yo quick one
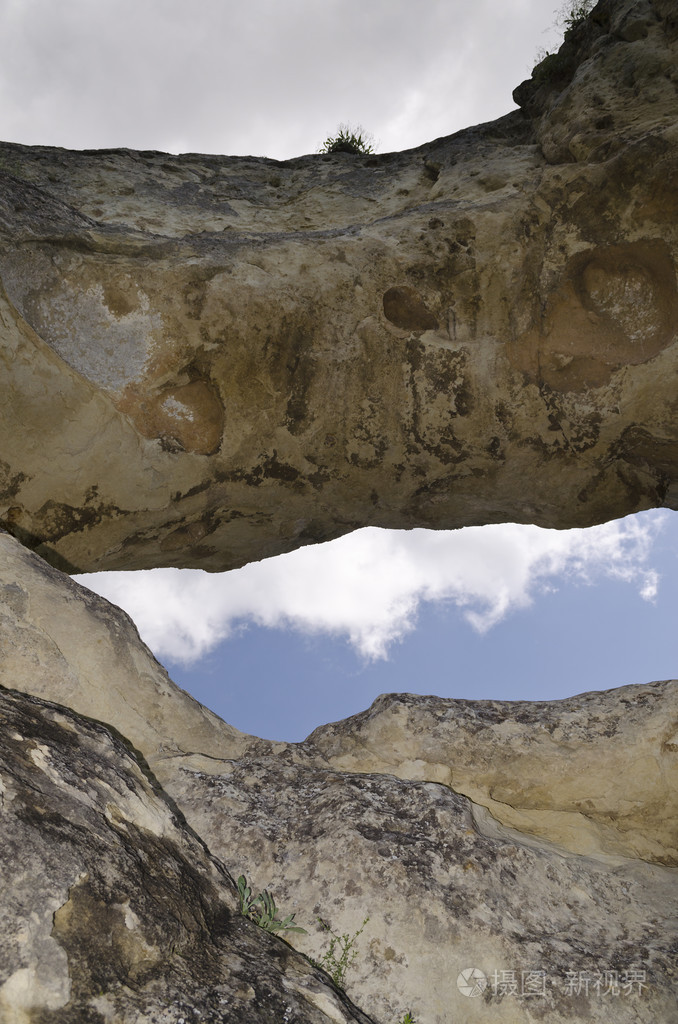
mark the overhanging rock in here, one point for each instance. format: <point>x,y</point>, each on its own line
<point>208,360</point>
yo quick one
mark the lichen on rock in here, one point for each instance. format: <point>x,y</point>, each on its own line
<point>112,908</point>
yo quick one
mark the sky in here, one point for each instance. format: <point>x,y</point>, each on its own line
<point>280,647</point>
<point>505,612</point>
<point>259,77</point>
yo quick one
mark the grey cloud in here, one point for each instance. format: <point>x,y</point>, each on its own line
<point>263,76</point>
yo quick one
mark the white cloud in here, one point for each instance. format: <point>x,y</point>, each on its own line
<point>368,586</point>
<point>650,587</point>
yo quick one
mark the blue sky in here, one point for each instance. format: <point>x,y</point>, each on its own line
<point>281,684</point>
<point>507,612</point>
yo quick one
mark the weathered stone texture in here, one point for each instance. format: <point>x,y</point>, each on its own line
<point>212,359</point>
<point>596,774</point>
<point>112,910</point>
<point>445,886</point>
<point>64,643</point>
<point>206,360</point>
<point>498,835</point>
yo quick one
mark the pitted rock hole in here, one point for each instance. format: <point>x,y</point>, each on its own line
<point>405,308</point>
<point>629,298</point>
<point>615,307</point>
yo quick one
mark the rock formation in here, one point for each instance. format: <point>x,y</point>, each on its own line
<point>112,909</point>
<point>209,360</point>
<point>535,842</point>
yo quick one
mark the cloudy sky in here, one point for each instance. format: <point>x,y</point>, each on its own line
<point>282,646</point>
<point>263,77</point>
<point>499,612</point>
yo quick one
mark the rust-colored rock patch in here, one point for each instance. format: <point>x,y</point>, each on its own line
<point>188,417</point>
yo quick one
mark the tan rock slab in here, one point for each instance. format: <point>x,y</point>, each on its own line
<point>206,360</point>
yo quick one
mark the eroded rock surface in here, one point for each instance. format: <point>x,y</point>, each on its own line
<point>112,910</point>
<point>208,360</point>
<point>446,888</point>
<point>596,773</point>
<point>62,642</point>
<point>508,837</point>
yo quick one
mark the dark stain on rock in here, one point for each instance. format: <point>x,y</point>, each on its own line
<point>15,598</point>
<point>10,483</point>
<point>317,532</point>
<point>440,393</point>
<point>638,447</point>
<point>36,543</point>
<point>494,449</point>
<point>289,354</point>
<point>189,534</point>
<point>318,479</point>
<point>643,168</point>
<point>503,414</point>
<point>576,431</point>
<point>446,374</point>
<point>57,519</point>
<point>198,489</point>
<point>432,169</point>
<point>195,289</point>
<point>273,469</point>
<point>405,308</point>
<point>253,477</point>
<point>365,462</point>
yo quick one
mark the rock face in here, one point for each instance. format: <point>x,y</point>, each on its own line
<point>536,843</point>
<point>112,909</point>
<point>208,360</point>
<point>45,618</point>
<point>516,759</point>
<point>446,888</point>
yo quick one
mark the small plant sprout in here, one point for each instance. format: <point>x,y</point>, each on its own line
<point>341,953</point>
<point>574,11</point>
<point>262,910</point>
<point>568,16</point>
<point>348,140</point>
<point>407,1019</point>
<point>245,897</point>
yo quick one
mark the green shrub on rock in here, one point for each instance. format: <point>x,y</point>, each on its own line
<point>348,140</point>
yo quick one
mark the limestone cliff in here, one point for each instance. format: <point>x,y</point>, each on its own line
<point>525,840</point>
<point>208,360</point>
